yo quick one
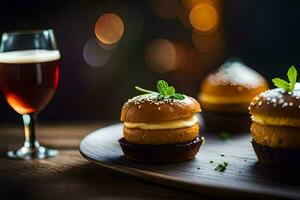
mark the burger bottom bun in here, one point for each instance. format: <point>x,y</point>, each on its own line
<point>285,137</point>
<point>277,156</point>
<point>216,122</point>
<point>158,137</point>
<point>167,153</point>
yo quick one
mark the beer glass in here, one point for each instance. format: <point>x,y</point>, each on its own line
<point>29,73</point>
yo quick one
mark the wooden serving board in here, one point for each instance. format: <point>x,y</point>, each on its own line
<point>244,177</point>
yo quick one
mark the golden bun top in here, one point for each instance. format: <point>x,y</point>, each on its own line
<point>233,79</point>
<point>147,108</point>
<point>277,103</point>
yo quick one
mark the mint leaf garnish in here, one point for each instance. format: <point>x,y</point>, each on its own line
<point>171,90</point>
<point>163,87</point>
<point>222,167</point>
<point>144,90</point>
<point>292,77</point>
<point>280,83</point>
<point>178,96</point>
<point>225,135</point>
<point>164,91</point>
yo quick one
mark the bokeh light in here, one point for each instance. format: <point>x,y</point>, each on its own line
<point>161,55</point>
<point>204,17</point>
<point>207,42</point>
<point>186,6</point>
<point>109,28</point>
<point>94,54</point>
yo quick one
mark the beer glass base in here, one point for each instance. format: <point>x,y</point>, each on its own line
<point>27,153</point>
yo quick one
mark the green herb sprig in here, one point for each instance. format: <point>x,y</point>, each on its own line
<point>222,167</point>
<point>225,135</point>
<point>164,91</point>
<point>292,77</point>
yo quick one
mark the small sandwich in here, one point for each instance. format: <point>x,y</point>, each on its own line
<point>276,123</point>
<point>225,95</point>
<point>160,127</point>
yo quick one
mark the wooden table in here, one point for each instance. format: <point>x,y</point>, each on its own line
<point>68,175</point>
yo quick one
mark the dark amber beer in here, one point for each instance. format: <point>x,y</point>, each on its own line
<point>29,78</point>
<point>29,75</point>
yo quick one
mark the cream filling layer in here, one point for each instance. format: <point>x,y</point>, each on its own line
<point>276,121</point>
<point>223,99</point>
<point>164,125</point>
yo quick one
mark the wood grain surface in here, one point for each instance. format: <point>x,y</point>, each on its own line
<point>243,178</point>
<point>69,175</point>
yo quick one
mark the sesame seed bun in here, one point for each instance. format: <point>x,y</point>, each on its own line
<point>277,103</point>
<point>276,125</point>
<point>147,109</point>
<point>232,84</point>
<point>157,137</point>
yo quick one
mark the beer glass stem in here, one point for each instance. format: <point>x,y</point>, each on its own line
<point>29,121</point>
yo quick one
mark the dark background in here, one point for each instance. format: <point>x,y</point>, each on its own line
<point>264,34</point>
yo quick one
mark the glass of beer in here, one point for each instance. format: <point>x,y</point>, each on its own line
<point>29,74</point>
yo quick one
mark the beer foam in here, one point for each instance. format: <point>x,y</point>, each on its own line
<point>29,56</point>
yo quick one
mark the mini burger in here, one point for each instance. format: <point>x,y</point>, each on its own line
<point>160,127</point>
<point>225,95</point>
<point>276,123</point>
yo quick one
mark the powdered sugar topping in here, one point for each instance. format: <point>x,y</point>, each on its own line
<point>278,97</point>
<point>236,73</point>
